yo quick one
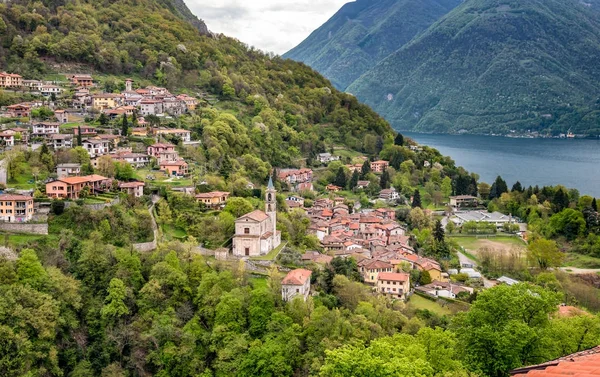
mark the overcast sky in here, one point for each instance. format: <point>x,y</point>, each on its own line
<point>270,25</point>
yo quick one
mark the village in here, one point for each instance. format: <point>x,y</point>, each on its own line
<point>380,244</point>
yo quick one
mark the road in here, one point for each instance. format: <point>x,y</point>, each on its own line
<point>580,271</point>
<point>463,259</point>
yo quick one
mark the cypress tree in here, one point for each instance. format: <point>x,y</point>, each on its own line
<point>134,121</point>
<point>124,125</point>
<point>399,140</point>
<point>416,199</point>
<point>340,178</point>
<point>560,200</point>
<point>226,167</point>
<point>595,205</point>
<point>366,169</point>
<point>79,141</point>
<point>44,149</point>
<point>354,180</point>
<point>384,181</point>
<point>438,233</point>
<point>517,187</point>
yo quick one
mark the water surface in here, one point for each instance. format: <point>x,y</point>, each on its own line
<point>574,163</point>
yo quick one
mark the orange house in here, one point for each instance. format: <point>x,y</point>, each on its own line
<point>213,199</point>
<point>70,187</point>
<point>174,168</point>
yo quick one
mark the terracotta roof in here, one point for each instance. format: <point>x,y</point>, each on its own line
<point>581,364</point>
<point>95,177</point>
<point>173,163</point>
<point>297,277</point>
<point>73,180</point>
<point>5,197</point>
<point>257,215</point>
<point>393,276</point>
<point>377,264</point>
<point>210,195</point>
<point>132,184</point>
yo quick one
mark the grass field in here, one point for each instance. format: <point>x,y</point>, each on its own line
<point>272,254</point>
<point>499,242</point>
<point>258,282</point>
<point>171,232</point>
<point>418,302</point>
<point>19,240</point>
<point>342,152</point>
<point>581,261</point>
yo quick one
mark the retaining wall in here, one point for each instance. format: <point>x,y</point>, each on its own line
<point>24,228</point>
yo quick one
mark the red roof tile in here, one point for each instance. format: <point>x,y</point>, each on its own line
<point>297,277</point>
<point>580,364</point>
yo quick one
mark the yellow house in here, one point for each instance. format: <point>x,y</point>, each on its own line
<point>213,199</point>
<point>104,101</point>
<point>16,208</point>
<point>371,268</point>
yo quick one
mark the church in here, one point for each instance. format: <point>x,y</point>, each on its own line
<point>256,233</point>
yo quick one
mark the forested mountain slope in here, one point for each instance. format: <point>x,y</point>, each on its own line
<point>491,66</point>
<point>364,32</point>
<point>284,109</point>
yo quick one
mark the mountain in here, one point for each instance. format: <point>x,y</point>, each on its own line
<point>284,109</point>
<point>364,32</point>
<point>495,66</point>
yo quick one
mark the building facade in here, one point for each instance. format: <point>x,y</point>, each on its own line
<point>296,283</point>
<point>16,208</point>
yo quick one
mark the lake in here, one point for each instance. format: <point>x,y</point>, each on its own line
<point>574,163</point>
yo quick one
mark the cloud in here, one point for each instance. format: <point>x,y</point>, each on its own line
<point>270,25</point>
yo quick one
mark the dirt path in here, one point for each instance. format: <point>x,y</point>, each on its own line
<point>580,271</point>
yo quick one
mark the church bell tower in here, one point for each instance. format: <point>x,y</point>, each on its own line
<point>271,205</point>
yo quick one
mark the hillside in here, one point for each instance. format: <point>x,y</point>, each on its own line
<point>492,66</point>
<point>291,101</point>
<point>364,32</point>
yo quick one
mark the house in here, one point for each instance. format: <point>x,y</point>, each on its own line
<point>155,150</point>
<point>151,107</point>
<point>360,185</point>
<point>214,199</point>
<point>389,194</point>
<point>59,141</point>
<point>581,364</point>
<point>104,101</point>
<point>256,232</point>
<point>174,168</point>
<point>62,116</point>
<point>184,135</point>
<point>294,176</point>
<point>316,257</point>
<point>48,90</point>
<point>355,167</point>
<point>70,187</point>
<point>136,160</point>
<point>294,202</point>
<point>7,139</point>
<point>444,289</point>
<point>10,80</point>
<point>326,158</point>
<point>18,111</point>
<point>43,129</point>
<point>174,107</point>
<point>190,102</point>
<point>20,134</point>
<point>135,189</point>
<point>68,170</point>
<point>333,188</point>
<point>96,147</point>
<point>296,283</point>
<point>16,208</point>
<point>463,201</point>
<point>370,268</point>
<point>394,284</point>
<point>82,80</point>
<point>33,85</point>
<point>86,131</point>
<point>379,166</point>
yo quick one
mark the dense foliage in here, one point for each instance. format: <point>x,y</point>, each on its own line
<point>364,32</point>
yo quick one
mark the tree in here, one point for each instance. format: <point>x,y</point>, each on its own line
<point>560,199</point>
<point>134,120</point>
<point>103,119</point>
<point>238,207</point>
<point>384,181</point>
<point>569,223</point>
<point>595,205</point>
<point>416,202</point>
<point>354,179</point>
<point>438,233</point>
<point>57,207</point>
<point>399,140</point>
<point>425,278</point>
<point>502,330</point>
<point>544,254</point>
<point>226,167</point>
<point>124,126</point>
<point>340,178</point>
<point>30,270</point>
<point>447,186</point>
<point>498,188</point>
<point>106,166</point>
<point>517,187</point>
<point>365,169</point>
<point>114,306</point>
<point>79,137</point>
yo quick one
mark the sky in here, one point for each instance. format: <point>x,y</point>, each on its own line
<point>270,25</point>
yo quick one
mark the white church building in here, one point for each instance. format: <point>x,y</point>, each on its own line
<point>256,233</point>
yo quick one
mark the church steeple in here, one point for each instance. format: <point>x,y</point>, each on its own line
<point>271,204</point>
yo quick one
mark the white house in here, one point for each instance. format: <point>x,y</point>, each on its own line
<point>135,189</point>
<point>389,194</point>
<point>68,170</point>
<point>296,283</point>
<point>61,141</point>
<point>151,107</point>
<point>45,128</point>
<point>48,90</point>
<point>327,157</point>
<point>96,147</point>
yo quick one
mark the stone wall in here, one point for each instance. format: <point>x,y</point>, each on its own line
<point>95,207</point>
<point>24,228</point>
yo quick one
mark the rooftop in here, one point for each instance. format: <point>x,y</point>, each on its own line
<point>297,277</point>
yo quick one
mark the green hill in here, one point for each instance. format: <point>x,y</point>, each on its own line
<point>283,109</point>
<point>491,66</point>
<point>363,33</point>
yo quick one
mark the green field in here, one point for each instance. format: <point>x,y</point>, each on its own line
<point>581,261</point>
<point>171,232</point>
<point>20,240</point>
<point>418,302</point>
<point>342,152</point>
<point>474,243</point>
<point>272,254</point>
<point>258,282</point>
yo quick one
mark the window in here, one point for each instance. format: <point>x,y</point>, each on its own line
<point>394,283</point>
<point>246,230</point>
<point>297,290</point>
